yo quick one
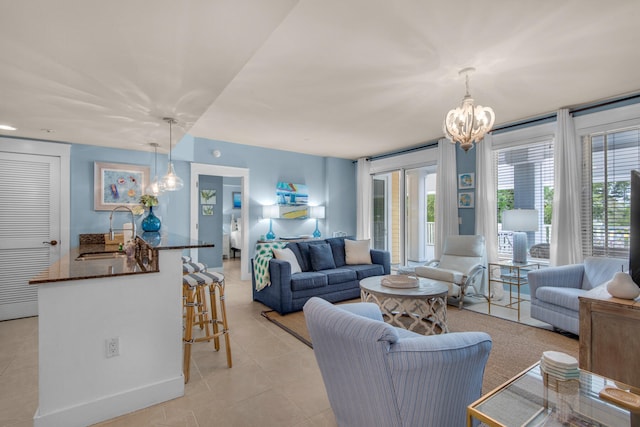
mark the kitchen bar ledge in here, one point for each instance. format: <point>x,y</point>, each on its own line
<point>69,267</point>
<point>82,308</point>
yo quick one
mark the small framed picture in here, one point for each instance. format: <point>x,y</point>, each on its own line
<point>207,210</point>
<point>465,200</point>
<point>208,197</point>
<point>237,199</point>
<point>466,180</point>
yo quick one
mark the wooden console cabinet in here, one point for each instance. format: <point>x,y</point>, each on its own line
<point>610,336</point>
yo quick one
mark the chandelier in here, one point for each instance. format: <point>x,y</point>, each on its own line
<point>468,123</point>
<point>171,181</point>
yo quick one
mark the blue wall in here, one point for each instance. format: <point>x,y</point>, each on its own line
<point>331,183</point>
<point>210,226</point>
<point>83,218</point>
<point>466,163</point>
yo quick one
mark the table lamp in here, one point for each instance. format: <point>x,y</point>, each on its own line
<point>270,211</point>
<point>520,221</point>
<point>316,212</point>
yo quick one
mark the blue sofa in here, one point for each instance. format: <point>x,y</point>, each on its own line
<point>555,290</point>
<point>289,292</point>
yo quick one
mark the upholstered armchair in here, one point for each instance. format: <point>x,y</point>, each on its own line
<point>462,266</point>
<point>378,375</point>
<point>555,291</point>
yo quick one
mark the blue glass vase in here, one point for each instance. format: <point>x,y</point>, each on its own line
<point>151,222</point>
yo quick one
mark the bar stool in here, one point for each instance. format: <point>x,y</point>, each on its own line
<point>189,267</point>
<point>194,287</point>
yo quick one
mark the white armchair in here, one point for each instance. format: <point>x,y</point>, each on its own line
<point>462,266</point>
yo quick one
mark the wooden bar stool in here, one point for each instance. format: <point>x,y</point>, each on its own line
<point>189,267</point>
<point>195,285</point>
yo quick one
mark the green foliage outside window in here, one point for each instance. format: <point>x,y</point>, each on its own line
<point>431,208</point>
<point>505,202</point>
<point>618,203</point>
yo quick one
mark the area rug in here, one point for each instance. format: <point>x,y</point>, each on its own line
<point>515,346</point>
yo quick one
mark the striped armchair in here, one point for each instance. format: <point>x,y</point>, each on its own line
<point>379,375</point>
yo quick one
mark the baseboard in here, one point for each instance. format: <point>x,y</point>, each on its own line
<point>112,406</point>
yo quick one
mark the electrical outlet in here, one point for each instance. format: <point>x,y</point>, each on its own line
<point>113,347</point>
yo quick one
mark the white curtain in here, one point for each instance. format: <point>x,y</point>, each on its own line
<point>566,244</point>
<point>487,205</point>
<point>446,194</point>
<point>364,199</point>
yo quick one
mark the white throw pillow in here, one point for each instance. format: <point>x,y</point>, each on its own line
<point>287,254</point>
<point>357,252</point>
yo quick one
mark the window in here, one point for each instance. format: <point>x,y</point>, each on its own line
<point>608,159</point>
<point>525,181</point>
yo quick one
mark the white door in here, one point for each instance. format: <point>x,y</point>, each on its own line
<point>30,222</point>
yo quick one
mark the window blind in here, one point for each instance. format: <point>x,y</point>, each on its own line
<point>608,159</point>
<point>525,181</point>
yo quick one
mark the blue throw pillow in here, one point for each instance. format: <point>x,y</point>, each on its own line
<point>321,257</point>
<point>337,247</point>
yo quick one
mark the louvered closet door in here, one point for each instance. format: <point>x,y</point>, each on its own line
<point>29,225</point>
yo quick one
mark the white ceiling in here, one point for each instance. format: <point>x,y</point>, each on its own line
<point>343,78</point>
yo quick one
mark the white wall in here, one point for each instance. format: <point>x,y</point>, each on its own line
<point>78,384</point>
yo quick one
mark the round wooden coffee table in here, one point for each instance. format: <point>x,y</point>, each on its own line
<point>422,309</point>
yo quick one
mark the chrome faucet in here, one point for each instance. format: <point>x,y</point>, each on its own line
<point>112,230</point>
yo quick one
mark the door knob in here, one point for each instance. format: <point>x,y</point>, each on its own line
<point>52,243</point>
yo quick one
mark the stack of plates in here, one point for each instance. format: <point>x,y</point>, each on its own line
<point>559,365</point>
<point>400,281</point>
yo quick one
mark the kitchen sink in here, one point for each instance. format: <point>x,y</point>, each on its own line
<point>100,255</point>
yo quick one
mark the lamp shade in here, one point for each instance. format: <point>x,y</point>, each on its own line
<point>316,212</point>
<point>270,211</point>
<point>520,220</point>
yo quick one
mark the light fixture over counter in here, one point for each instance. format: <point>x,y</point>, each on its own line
<point>171,181</point>
<point>468,124</point>
<point>156,186</point>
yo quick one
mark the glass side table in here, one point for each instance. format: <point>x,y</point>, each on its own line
<point>512,274</point>
<point>533,398</point>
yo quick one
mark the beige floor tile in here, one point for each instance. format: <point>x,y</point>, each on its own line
<point>143,418</point>
<point>274,381</point>
<point>268,409</point>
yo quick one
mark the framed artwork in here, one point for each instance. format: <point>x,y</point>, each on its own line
<point>207,197</point>
<point>207,210</point>
<point>288,193</point>
<point>465,200</point>
<point>237,199</point>
<point>466,180</point>
<point>117,184</point>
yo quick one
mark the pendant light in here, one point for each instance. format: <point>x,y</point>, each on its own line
<point>156,186</point>
<point>171,181</point>
<point>468,123</point>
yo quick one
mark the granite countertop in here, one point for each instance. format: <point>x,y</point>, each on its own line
<point>69,267</point>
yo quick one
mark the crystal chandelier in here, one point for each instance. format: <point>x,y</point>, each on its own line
<point>468,123</point>
<point>171,181</point>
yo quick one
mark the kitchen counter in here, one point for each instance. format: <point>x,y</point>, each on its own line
<point>72,267</point>
<point>85,305</point>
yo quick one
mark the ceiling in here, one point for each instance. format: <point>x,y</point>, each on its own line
<point>342,78</point>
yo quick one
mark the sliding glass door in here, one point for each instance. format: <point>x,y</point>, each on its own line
<point>387,190</point>
<point>420,186</point>
<point>404,214</point>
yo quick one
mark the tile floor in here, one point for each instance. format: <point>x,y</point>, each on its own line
<point>275,380</point>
